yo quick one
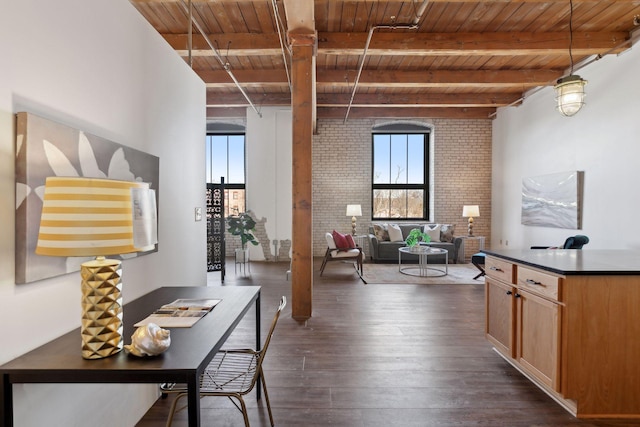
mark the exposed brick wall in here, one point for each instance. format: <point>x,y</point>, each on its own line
<point>266,245</point>
<point>342,174</point>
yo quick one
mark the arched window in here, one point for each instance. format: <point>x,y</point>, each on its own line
<point>225,157</point>
<point>400,181</point>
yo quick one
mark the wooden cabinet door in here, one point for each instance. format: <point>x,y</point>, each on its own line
<point>499,324</point>
<point>538,337</point>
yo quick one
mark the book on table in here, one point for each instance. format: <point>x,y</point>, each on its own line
<point>181,313</point>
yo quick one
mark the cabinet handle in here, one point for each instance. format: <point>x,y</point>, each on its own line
<point>509,292</point>
<point>532,282</point>
<point>495,269</point>
<point>517,295</point>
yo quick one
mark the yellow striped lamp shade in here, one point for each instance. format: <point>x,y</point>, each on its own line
<point>96,217</point>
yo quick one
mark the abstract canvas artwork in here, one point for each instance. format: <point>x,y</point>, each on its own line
<point>46,148</point>
<point>553,200</point>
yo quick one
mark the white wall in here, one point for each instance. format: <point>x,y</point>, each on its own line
<point>269,169</point>
<point>603,140</point>
<point>99,67</point>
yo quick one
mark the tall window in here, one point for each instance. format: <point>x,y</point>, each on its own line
<point>400,184</point>
<point>225,158</point>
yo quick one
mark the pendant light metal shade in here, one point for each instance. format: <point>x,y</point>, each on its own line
<point>570,94</point>
<point>570,89</point>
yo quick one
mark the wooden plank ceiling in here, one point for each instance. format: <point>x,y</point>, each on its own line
<point>439,59</point>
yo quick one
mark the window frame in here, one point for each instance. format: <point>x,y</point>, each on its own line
<point>228,185</point>
<point>425,186</point>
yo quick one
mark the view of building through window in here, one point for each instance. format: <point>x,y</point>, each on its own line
<point>400,183</point>
<point>225,159</point>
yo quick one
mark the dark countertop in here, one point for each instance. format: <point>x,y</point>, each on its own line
<point>575,262</point>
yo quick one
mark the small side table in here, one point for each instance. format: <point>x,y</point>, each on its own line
<point>480,240</point>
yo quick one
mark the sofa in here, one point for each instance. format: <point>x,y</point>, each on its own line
<point>384,245</point>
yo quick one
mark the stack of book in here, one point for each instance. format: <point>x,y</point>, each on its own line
<point>181,313</point>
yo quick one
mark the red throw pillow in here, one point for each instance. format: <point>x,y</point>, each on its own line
<point>340,240</point>
<point>351,244</point>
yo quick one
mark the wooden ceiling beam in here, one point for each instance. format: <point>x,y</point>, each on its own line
<point>465,44</point>
<point>412,43</point>
<point>391,78</point>
<point>444,113</point>
<point>357,112</point>
<point>230,100</point>
<point>236,44</point>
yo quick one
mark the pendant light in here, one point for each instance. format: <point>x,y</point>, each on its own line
<point>570,90</point>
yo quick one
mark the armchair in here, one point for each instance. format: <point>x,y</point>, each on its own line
<point>342,251</point>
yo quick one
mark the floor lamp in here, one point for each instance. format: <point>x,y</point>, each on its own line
<point>87,217</point>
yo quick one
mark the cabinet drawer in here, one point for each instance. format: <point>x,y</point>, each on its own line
<point>537,282</point>
<point>500,269</point>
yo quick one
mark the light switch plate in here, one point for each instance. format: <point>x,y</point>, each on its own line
<point>198,214</point>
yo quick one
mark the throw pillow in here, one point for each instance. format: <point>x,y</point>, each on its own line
<point>433,230</point>
<point>351,244</point>
<point>446,233</point>
<point>340,240</point>
<point>395,233</point>
<point>381,232</point>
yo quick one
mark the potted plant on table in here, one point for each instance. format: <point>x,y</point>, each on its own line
<point>243,225</point>
<point>415,237</point>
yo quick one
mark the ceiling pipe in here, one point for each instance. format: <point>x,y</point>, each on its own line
<point>413,26</point>
<point>224,64</point>
<point>279,24</point>
<point>364,55</point>
<point>190,35</point>
<point>420,11</point>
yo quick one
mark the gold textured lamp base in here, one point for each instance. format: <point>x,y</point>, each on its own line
<point>101,327</point>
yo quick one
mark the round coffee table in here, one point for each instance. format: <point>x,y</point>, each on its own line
<point>423,253</point>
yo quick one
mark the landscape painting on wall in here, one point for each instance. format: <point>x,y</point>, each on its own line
<point>553,200</point>
<point>46,148</point>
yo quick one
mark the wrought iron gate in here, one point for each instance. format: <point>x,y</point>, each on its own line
<point>215,228</point>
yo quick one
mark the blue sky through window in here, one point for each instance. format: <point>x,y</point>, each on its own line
<point>398,158</point>
<point>225,158</point>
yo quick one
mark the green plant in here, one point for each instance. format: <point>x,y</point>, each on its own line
<point>415,236</point>
<point>243,225</point>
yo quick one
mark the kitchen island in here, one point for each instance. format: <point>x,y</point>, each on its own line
<point>570,321</point>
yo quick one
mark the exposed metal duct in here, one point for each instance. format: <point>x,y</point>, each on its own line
<point>224,64</point>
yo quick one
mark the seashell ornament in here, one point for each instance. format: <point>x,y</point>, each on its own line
<point>149,340</point>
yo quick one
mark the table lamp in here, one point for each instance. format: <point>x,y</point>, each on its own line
<point>470,211</point>
<point>353,211</point>
<point>84,217</point>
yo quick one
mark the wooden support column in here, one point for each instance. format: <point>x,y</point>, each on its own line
<point>303,48</point>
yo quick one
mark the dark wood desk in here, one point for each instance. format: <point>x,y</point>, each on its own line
<point>60,361</point>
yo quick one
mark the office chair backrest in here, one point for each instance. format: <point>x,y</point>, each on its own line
<point>575,242</point>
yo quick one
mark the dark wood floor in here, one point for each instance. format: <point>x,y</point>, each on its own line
<point>379,355</point>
